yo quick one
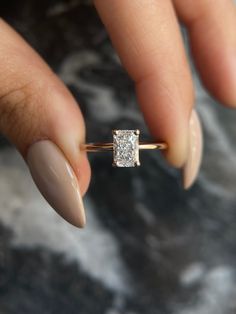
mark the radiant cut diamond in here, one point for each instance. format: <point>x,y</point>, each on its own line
<point>126,148</point>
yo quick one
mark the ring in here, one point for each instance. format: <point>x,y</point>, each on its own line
<point>125,147</point>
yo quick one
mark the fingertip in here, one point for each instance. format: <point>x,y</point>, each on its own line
<point>171,128</point>
<point>219,75</point>
<point>225,85</point>
<point>175,155</point>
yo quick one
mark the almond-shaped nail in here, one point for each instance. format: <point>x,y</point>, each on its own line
<point>56,180</point>
<point>191,168</point>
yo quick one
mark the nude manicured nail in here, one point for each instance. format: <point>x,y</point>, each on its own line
<point>56,181</point>
<point>191,168</point>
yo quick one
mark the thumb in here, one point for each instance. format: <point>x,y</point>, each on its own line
<point>40,117</point>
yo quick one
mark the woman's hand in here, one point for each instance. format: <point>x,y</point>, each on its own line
<point>39,115</point>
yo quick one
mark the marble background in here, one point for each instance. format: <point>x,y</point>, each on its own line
<point>148,247</point>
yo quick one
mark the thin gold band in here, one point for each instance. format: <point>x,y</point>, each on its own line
<point>103,147</point>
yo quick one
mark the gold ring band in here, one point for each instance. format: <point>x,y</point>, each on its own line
<point>103,147</point>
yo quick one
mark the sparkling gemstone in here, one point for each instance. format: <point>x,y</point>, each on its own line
<point>126,148</point>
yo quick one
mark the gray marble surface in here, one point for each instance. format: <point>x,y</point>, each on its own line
<point>148,247</point>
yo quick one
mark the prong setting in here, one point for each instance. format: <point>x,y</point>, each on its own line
<point>114,132</point>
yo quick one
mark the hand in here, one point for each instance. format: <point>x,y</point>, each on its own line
<point>39,115</point>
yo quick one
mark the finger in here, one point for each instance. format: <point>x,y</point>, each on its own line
<point>148,40</point>
<point>211,25</point>
<point>39,115</point>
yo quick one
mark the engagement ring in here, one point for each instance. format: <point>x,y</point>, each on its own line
<point>125,147</point>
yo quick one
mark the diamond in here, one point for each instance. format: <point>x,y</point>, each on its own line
<point>126,148</point>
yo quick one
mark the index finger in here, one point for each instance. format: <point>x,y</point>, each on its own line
<point>147,37</point>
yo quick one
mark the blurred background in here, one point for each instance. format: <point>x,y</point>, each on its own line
<point>148,247</point>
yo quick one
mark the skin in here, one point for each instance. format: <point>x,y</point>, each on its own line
<point>35,104</point>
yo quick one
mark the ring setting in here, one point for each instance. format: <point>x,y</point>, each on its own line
<point>125,147</point>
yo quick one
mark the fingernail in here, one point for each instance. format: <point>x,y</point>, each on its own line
<point>191,168</point>
<point>56,181</point>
